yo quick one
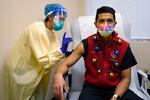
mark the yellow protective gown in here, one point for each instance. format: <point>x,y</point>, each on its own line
<point>30,62</point>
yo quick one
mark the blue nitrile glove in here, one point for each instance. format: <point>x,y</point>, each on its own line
<point>65,42</point>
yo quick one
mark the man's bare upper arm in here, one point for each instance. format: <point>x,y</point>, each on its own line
<point>126,73</point>
<point>75,55</point>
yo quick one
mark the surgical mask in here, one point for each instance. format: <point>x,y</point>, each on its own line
<point>58,24</point>
<point>105,30</point>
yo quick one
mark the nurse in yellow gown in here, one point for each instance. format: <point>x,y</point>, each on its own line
<point>37,51</point>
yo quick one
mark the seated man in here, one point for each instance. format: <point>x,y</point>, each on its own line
<point>108,61</point>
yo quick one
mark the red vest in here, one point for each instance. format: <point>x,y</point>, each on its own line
<point>102,61</point>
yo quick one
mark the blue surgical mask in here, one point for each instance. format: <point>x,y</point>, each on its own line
<point>58,26</point>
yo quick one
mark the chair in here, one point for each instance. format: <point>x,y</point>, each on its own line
<point>83,27</point>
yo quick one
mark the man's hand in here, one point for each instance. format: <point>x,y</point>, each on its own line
<point>59,86</point>
<point>113,98</point>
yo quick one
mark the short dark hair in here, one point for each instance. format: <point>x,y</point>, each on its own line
<point>105,9</point>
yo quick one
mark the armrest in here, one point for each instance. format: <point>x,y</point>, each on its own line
<point>142,74</point>
<point>148,76</point>
<point>144,79</point>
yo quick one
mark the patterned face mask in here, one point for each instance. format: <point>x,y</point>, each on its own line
<point>105,30</point>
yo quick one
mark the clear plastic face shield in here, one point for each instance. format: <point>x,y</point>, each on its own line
<point>60,15</point>
<point>61,23</point>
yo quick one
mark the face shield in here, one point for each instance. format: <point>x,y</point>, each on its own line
<point>60,15</point>
<point>61,24</point>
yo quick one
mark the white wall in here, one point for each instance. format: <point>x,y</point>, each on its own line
<point>141,51</point>
<point>15,15</point>
<point>135,11</point>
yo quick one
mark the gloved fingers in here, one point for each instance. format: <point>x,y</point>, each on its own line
<point>64,35</point>
<point>67,40</point>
